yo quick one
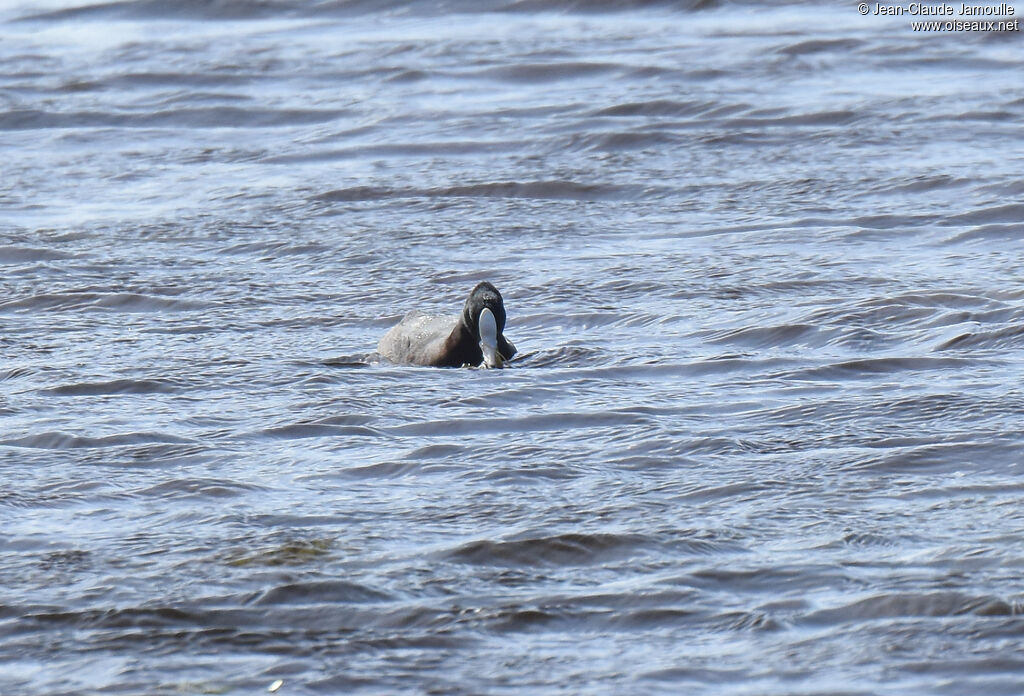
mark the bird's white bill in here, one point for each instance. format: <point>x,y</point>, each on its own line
<point>489,339</point>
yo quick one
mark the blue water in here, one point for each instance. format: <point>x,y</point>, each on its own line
<point>761,263</point>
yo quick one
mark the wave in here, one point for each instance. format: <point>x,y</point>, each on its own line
<point>529,423</point>
<point>1008,337</point>
<point>117,386</point>
<point>997,232</point>
<point>894,605</point>
<point>867,368</point>
<point>561,549</point>
<point>209,117</point>
<point>297,431</point>
<point>235,10</point>
<point>322,592</point>
<point>198,488</point>
<point>773,336</point>
<point>990,455</point>
<point>398,150</point>
<point>20,254</point>
<point>811,46</point>
<point>111,301</point>
<point>548,190</point>
<point>56,440</point>
<point>1004,213</point>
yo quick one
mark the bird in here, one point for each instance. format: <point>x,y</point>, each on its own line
<point>473,338</point>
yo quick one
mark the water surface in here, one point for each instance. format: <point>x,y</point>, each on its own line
<point>761,262</point>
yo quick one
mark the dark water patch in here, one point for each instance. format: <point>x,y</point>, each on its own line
<point>429,452</point>
<point>891,221</point>
<point>400,150</point>
<point>274,250</point>
<point>408,76</point>
<point>870,540</point>
<point>205,117</point>
<point>888,606</point>
<point>767,579</point>
<point>745,621</point>
<point>117,386</point>
<point>545,190</point>
<point>16,373</point>
<point>886,322</point>
<point>296,431</point>
<point>58,497</point>
<point>579,321</point>
<point>990,455</point>
<point>165,453</point>
<point>702,676</point>
<point>875,312</point>
<point>1003,213</point>
<point>532,475</point>
<point>665,368</point>
<point>558,550</point>
<point>350,361</point>
<point>548,72</point>
<point>659,107</point>
<point>20,254</point>
<point>506,397</point>
<point>154,9</point>
<point>529,423</point>
<point>57,440</point>
<point>629,283</point>
<point>67,560</point>
<point>109,301</point>
<point>563,618</point>
<point>280,620</point>
<point>322,592</point>
<point>815,286</point>
<point>1004,494</point>
<point>819,118</point>
<point>249,10</point>
<point>991,116</point>
<point>1008,338</point>
<point>198,488</point>
<point>742,138</point>
<point>620,141</point>
<point>603,6</point>
<point>183,329</point>
<point>1004,189</point>
<point>935,409</point>
<point>936,298</point>
<point>564,356</point>
<point>741,491</point>
<point>380,470</point>
<point>813,46</point>
<point>191,80</point>
<point>514,620</point>
<point>869,368</point>
<point>135,617</point>
<point>314,322</point>
<point>772,336</point>
<point>347,419</point>
<point>690,618</point>
<point>922,184</point>
<point>990,233</point>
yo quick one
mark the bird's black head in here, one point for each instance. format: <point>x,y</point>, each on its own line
<point>484,296</point>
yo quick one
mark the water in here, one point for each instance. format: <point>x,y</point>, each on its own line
<point>761,262</point>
